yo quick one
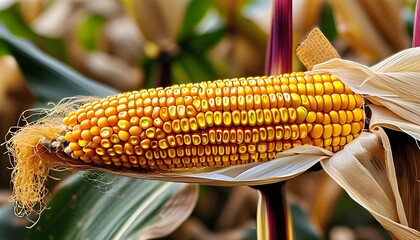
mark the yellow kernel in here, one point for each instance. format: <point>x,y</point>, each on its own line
<point>337,130</point>
<point>236,118</point>
<point>123,135</point>
<point>342,117</point>
<point>344,101</point>
<point>134,140</point>
<point>328,130</point>
<point>118,149</point>
<point>284,115</point>
<point>135,131</point>
<point>74,146</point>
<point>355,127</point>
<point>319,103</point>
<point>81,116</point>
<point>105,143</point>
<point>176,126</point>
<point>145,144</point>
<point>357,114</point>
<point>209,118</point>
<point>145,122</point>
<point>336,101</point>
<point>352,102</point>
<point>346,129</point>
<point>218,119</point>
<point>328,88</point>
<point>124,124</point>
<point>106,132</point>
<point>294,132</point>
<point>163,144</point>
<point>328,104</point>
<point>72,120</point>
<point>327,119</point>
<point>227,119</point>
<point>66,121</point>
<point>112,120</point>
<point>295,100</point>
<point>191,112</point>
<point>311,117</point>
<point>310,89</point>
<point>359,100</point>
<point>102,122</point>
<point>110,111</point>
<point>334,117</point>
<point>86,135</point>
<point>180,111</point>
<point>301,113</point>
<point>267,117</point>
<point>114,138</point>
<point>317,131</point>
<point>259,116</point>
<point>338,86</point>
<point>319,89</point>
<point>185,125</point>
<point>69,137</point>
<point>150,132</point>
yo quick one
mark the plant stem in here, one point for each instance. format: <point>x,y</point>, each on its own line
<point>164,72</point>
<point>274,215</point>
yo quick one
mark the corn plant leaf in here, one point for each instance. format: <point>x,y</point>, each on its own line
<point>50,79</point>
<point>10,226</point>
<point>129,209</point>
<point>195,11</point>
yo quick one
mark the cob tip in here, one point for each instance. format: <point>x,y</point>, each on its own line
<point>29,148</point>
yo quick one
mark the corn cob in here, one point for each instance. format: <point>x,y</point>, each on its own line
<point>220,123</point>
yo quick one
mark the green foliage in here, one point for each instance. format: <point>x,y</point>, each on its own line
<point>48,78</point>
<point>196,10</point>
<point>126,208</point>
<point>90,32</point>
<point>12,18</point>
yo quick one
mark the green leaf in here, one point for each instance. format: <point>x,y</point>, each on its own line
<point>327,24</point>
<point>10,226</point>
<point>81,211</point>
<point>208,40</point>
<point>12,18</point>
<point>89,33</point>
<point>302,226</point>
<point>49,79</point>
<point>196,10</point>
<point>192,67</point>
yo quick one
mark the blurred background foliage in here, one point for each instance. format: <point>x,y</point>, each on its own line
<point>133,44</point>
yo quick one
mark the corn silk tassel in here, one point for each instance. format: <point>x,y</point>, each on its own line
<point>230,132</point>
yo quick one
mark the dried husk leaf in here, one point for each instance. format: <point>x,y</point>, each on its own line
<point>365,169</point>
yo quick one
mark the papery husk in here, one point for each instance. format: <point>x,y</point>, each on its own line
<point>365,169</point>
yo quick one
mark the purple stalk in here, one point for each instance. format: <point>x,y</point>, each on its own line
<point>278,60</point>
<point>279,50</point>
